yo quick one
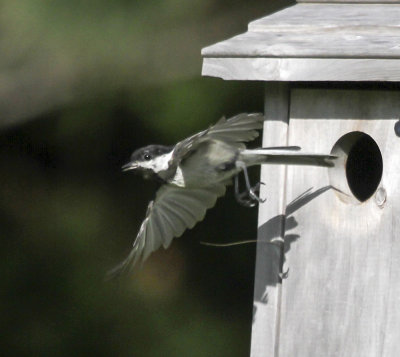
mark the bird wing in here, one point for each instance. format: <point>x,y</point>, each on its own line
<point>240,128</point>
<point>173,211</point>
<point>236,130</point>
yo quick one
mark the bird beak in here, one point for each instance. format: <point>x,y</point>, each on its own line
<point>130,166</point>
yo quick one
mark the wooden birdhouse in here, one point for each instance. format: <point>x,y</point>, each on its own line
<point>330,283</point>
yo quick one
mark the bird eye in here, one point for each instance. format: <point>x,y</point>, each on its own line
<point>147,157</point>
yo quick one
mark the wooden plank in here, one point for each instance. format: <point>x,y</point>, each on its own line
<point>302,69</point>
<point>264,339</point>
<point>359,43</point>
<point>368,31</point>
<point>341,295</point>
<point>310,16</point>
<point>313,42</point>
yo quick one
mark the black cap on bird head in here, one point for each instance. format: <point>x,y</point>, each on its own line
<point>143,159</point>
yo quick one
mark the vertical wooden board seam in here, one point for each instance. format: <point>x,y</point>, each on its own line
<point>283,229</point>
<point>265,328</point>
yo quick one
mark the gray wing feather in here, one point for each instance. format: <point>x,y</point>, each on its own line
<point>173,211</point>
<point>238,129</point>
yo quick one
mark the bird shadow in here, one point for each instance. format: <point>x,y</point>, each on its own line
<point>271,256</point>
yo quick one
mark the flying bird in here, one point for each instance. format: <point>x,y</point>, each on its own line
<point>195,172</point>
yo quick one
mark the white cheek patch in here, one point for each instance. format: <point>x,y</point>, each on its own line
<point>146,165</point>
<point>159,163</point>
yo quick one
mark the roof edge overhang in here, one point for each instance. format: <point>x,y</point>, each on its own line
<point>313,42</point>
<point>302,69</point>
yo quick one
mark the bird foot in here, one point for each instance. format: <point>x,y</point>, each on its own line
<point>250,197</point>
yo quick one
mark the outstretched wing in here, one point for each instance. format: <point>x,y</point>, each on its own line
<point>236,130</point>
<point>173,211</point>
<point>240,128</point>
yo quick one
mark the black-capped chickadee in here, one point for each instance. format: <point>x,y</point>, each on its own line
<point>195,173</point>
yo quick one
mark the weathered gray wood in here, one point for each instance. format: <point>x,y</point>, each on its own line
<point>342,293</point>
<point>319,30</point>
<point>349,44</point>
<point>314,42</point>
<point>328,16</point>
<point>302,69</point>
<point>267,286</point>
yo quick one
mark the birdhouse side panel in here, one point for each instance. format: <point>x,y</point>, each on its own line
<point>341,291</point>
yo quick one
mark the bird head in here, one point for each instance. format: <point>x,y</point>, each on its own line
<point>149,160</point>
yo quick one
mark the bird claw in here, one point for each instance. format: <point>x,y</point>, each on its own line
<point>246,202</point>
<point>250,198</point>
<point>255,197</point>
<point>254,193</point>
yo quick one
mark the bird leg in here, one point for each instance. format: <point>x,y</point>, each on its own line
<point>249,197</point>
<point>243,197</point>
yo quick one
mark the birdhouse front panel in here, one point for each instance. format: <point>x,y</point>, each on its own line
<point>328,285</point>
<point>340,290</point>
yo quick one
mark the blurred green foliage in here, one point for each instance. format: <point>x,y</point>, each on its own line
<point>83,85</point>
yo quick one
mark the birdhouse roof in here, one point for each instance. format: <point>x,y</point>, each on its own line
<point>314,41</point>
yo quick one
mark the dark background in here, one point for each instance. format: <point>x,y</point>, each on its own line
<point>82,85</point>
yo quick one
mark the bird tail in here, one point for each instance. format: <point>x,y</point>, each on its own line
<point>286,155</point>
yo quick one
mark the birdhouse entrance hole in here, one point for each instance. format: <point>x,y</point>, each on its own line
<point>358,169</point>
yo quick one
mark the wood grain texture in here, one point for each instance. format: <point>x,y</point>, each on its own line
<point>342,293</point>
<point>328,16</point>
<point>302,69</point>
<point>315,42</point>
<point>349,44</point>
<point>319,30</point>
<point>267,286</point>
